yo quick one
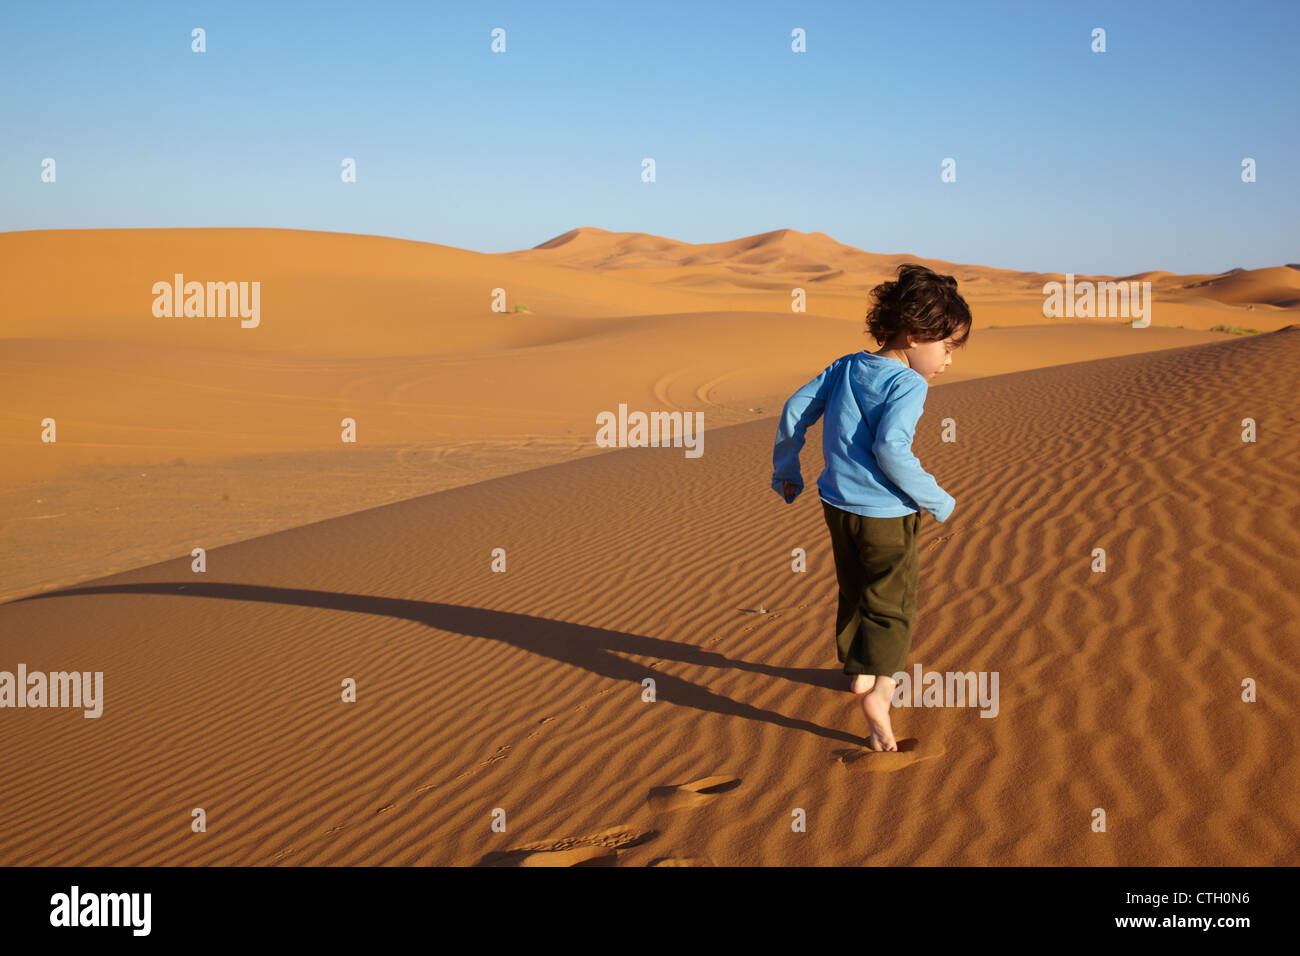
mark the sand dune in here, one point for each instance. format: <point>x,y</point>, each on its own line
<point>161,447</point>
<point>173,430</point>
<point>1276,286</point>
<point>756,262</point>
<point>522,692</point>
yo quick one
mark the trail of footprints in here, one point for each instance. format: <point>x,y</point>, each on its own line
<point>601,849</point>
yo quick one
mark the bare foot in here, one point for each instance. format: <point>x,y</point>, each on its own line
<point>876,707</point>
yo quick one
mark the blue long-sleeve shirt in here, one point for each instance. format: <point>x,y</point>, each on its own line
<point>871,404</point>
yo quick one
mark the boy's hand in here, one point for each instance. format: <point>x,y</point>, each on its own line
<point>790,490</point>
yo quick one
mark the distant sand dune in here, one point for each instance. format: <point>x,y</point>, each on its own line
<point>816,257</point>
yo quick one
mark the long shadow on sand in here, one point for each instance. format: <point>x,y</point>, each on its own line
<point>591,648</point>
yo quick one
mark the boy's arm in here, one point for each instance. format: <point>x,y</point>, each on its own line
<point>802,409</point>
<point>893,447</point>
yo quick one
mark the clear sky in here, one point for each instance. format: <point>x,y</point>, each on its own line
<point>1067,160</point>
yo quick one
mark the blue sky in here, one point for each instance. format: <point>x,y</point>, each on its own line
<point>1067,160</point>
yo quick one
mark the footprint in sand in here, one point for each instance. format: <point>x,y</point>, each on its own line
<point>910,751</point>
<point>688,796</point>
<point>544,720</point>
<point>501,753</point>
<point>680,861</point>
<point>598,849</point>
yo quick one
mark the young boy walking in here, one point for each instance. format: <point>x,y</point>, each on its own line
<point>873,488</point>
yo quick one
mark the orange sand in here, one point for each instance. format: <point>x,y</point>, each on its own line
<point>522,690</point>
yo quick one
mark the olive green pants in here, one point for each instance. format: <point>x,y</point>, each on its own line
<point>876,565</point>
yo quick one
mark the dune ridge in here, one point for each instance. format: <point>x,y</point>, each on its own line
<point>819,258</point>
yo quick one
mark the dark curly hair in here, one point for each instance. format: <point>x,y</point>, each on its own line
<point>922,303</point>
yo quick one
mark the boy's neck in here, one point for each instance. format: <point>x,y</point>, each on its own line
<point>898,355</point>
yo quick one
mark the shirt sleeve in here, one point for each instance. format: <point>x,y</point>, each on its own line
<point>893,447</point>
<point>802,409</point>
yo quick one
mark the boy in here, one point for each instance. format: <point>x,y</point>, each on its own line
<point>873,487</point>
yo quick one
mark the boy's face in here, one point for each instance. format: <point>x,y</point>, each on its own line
<point>930,358</point>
